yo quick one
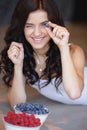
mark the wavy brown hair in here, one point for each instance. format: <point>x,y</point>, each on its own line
<point>15,32</point>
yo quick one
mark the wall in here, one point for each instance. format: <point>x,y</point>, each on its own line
<point>72,10</point>
<point>7,7</point>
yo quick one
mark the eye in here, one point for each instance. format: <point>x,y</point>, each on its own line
<point>46,25</point>
<point>29,26</point>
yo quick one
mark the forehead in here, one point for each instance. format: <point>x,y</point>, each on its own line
<point>37,16</point>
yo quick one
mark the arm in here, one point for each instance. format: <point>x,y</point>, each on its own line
<point>16,94</point>
<point>73,61</point>
<point>72,66</point>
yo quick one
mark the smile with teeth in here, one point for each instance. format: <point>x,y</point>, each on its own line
<point>38,39</point>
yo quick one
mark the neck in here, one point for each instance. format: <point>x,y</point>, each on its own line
<point>41,52</point>
<point>40,58</point>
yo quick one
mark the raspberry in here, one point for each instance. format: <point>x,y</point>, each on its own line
<point>22,119</point>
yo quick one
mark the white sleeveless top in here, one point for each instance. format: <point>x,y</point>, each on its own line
<point>50,91</point>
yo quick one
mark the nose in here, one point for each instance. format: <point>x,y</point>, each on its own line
<point>37,31</point>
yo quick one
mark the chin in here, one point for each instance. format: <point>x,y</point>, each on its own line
<point>39,45</point>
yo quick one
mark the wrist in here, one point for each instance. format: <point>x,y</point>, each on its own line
<point>18,68</point>
<point>64,49</point>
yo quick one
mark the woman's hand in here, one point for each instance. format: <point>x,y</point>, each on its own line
<point>16,53</point>
<point>59,34</point>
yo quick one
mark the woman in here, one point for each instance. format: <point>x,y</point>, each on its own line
<point>38,52</point>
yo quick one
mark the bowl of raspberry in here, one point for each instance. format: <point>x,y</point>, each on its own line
<point>39,110</point>
<point>21,121</point>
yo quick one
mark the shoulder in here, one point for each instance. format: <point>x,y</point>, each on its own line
<point>77,53</point>
<point>76,49</point>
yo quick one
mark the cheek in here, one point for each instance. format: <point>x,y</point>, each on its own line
<point>28,32</point>
<point>27,35</point>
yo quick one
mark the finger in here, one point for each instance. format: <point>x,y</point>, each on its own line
<point>16,47</point>
<point>19,45</point>
<point>60,34</point>
<point>53,25</point>
<point>50,33</point>
<point>63,33</point>
<point>13,50</point>
<point>55,30</point>
<point>13,54</point>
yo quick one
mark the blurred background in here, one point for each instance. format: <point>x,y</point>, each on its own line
<point>72,10</point>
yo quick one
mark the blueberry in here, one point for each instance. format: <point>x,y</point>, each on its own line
<point>31,108</point>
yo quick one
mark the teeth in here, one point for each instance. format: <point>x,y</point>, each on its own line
<point>37,39</point>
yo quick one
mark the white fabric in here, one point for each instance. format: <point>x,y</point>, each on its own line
<point>50,92</point>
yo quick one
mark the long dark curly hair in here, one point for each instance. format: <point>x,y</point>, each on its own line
<point>15,32</point>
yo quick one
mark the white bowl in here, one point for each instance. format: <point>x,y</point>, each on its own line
<point>9,126</point>
<point>42,117</point>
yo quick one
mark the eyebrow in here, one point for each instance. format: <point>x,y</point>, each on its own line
<point>40,23</point>
<point>44,22</point>
<point>28,24</point>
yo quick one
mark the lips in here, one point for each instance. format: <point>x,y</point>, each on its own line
<point>38,40</point>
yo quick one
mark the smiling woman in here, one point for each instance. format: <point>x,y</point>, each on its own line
<point>38,53</point>
<point>35,30</point>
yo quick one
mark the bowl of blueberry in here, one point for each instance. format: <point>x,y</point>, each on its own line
<point>39,110</point>
<point>21,121</point>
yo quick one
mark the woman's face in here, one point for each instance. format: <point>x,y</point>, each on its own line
<point>35,29</point>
